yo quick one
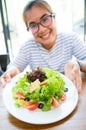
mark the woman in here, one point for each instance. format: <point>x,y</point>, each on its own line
<point>47,48</point>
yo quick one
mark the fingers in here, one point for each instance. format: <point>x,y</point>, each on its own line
<point>5,78</point>
<point>2,82</point>
<point>72,71</point>
<point>77,80</point>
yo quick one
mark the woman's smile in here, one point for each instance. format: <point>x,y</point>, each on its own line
<point>45,36</point>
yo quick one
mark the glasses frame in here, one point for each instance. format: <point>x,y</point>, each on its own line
<point>52,15</point>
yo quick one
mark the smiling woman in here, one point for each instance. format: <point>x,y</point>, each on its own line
<point>44,49</point>
<point>64,10</point>
<point>48,47</point>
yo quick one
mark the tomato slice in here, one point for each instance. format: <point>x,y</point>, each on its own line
<point>32,106</point>
<point>19,95</point>
<point>55,103</point>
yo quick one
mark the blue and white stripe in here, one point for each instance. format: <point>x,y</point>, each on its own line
<point>33,54</point>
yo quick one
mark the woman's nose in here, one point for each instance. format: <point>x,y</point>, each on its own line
<point>41,28</point>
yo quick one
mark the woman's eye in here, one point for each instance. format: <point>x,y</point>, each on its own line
<point>33,26</point>
<point>45,19</point>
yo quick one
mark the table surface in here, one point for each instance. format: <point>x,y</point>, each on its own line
<point>75,121</point>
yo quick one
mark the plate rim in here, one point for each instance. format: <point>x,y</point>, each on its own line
<point>37,123</point>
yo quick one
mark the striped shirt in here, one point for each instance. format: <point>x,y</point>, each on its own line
<point>67,45</point>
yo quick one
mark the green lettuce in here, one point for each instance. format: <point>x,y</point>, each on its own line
<point>54,87</point>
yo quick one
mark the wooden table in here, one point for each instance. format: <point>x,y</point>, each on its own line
<point>75,121</point>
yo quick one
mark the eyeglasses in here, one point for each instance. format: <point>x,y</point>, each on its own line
<point>45,22</point>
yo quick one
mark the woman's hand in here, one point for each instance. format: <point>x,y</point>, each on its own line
<point>8,75</point>
<point>72,71</point>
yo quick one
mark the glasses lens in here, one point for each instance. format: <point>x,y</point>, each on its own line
<point>46,21</point>
<point>33,27</point>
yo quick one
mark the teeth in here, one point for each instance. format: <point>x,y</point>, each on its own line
<point>45,36</point>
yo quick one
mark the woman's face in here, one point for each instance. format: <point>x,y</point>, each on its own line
<point>46,36</point>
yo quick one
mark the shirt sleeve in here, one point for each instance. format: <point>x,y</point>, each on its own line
<point>21,60</point>
<point>79,48</point>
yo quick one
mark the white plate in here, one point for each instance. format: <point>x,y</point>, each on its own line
<point>37,116</point>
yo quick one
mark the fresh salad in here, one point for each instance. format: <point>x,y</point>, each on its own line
<point>42,89</point>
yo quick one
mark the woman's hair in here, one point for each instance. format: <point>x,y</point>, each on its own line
<point>32,3</point>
